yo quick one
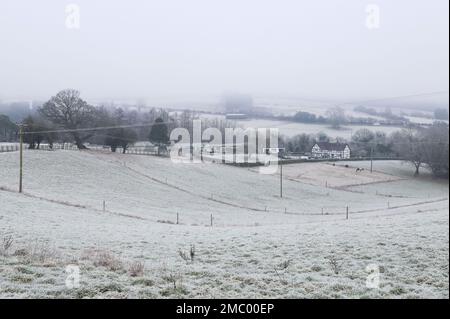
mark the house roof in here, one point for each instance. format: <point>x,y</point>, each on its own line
<point>332,146</point>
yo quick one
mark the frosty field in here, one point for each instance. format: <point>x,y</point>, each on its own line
<point>300,246</point>
<point>290,129</point>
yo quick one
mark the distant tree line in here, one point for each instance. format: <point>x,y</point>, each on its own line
<point>441,114</point>
<point>66,117</point>
<point>387,113</point>
<point>8,130</point>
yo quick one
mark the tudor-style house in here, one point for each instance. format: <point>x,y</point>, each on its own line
<point>331,150</point>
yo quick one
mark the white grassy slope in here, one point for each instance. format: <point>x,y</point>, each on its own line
<point>59,221</point>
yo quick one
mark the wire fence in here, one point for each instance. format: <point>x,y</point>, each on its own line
<point>153,150</point>
<point>137,150</point>
<point>9,148</point>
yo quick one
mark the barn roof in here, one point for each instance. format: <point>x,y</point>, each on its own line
<point>332,146</point>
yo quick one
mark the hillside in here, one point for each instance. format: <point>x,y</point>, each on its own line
<point>396,222</point>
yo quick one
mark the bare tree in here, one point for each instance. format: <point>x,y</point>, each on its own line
<point>409,145</point>
<point>8,129</point>
<point>159,134</point>
<point>34,126</point>
<point>436,148</point>
<point>336,117</point>
<point>119,136</point>
<point>67,110</point>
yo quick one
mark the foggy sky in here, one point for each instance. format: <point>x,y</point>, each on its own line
<point>195,48</point>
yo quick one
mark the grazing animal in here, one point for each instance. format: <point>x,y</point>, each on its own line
<point>359,170</point>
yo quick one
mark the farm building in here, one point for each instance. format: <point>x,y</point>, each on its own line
<point>331,150</point>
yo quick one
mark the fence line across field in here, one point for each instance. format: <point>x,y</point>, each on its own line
<point>9,148</point>
<point>141,150</point>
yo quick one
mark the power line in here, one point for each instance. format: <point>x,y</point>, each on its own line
<point>349,142</point>
<point>118,137</point>
<point>88,129</point>
<point>398,143</point>
<point>396,97</point>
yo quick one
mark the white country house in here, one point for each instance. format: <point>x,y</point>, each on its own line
<point>331,150</point>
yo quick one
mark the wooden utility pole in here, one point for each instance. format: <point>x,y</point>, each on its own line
<point>281,179</point>
<point>21,157</point>
<point>371,159</point>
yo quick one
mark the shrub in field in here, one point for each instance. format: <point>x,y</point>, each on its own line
<point>188,257</point>
<point>103,258</point>
<point>6,244</point>
<point>136,269</point>
<point>335,266</point>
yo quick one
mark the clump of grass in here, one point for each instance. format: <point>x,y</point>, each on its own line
<point>166,222</point>
<point>21,252</point>
<point>398,291</point>
<point>13,290</point>
<point>316,268</point>
<point>39,252</point>
<point>177,291</point>
<point>103,258</point>
<point>284,265</point>
<point>176,282</point>
<point>281,268</point>
<point>24,270</point>
<point>188,257</point>
<point>177,287</point>
<point>143,282</point>
<point>171,278</point>
<point>334,263</point>
<point>22,279</point>
<point>6,244</point>
<point>338,287</point>
<point>82,293</point>
<point>111,287</point>
<point>136,269</point>
<point>49,281</point>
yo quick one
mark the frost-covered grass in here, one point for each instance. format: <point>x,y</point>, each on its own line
<point>132,249</point>
<point>290,129</point>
